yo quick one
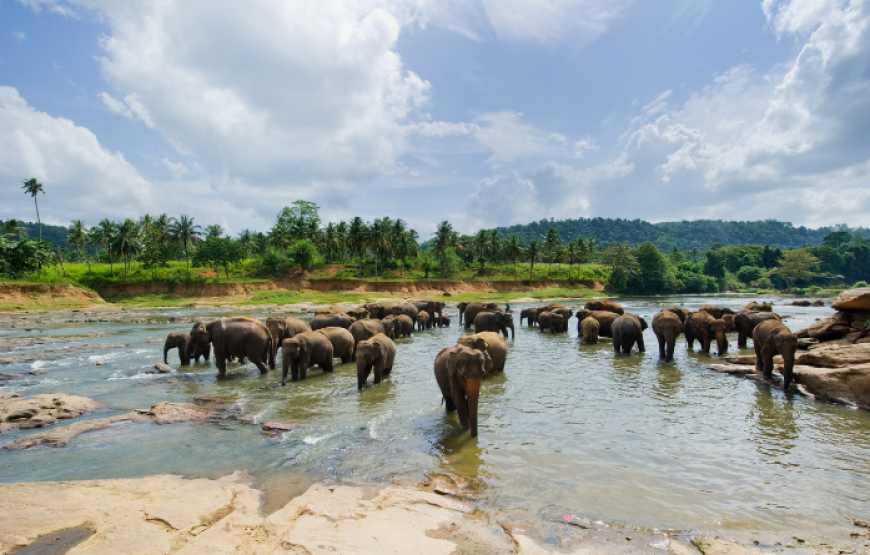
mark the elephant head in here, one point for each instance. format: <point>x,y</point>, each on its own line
<point>781,341</point>
<point>200,332</point>
<point>367,352</point>
<point>717,329</point>
<point>505,320</point>
<point>389,328</point>
<point>466,368</point>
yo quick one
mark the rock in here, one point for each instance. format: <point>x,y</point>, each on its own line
<point>819,303</point>
<point>172,413</point>
<point>4,377</point>
<point>678,547</point>
<point>758,307</point>
<point>836,355</point>
<point>854,299</point>
<point>216,400</point>
<point>849,385</point>
<point>164,368</point>
<point>38,421</point>
<point>749,359</point>
<point>799,303</point>
<point>60,437</point>
<point>804,343</point>
<point>17,411</point>
<point>735,369</point>
<point>280,426</point>
<point>834,327</point>
<point>715,546</point>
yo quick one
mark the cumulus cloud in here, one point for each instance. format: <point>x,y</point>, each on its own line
<point>510,140</point>
<point>552,21</point>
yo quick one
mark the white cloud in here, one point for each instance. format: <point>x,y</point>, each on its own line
<point>18,35</point>
<point>116,106</point>
<point>510,140</point>
<point>552,21</point>
<point>178,169</point>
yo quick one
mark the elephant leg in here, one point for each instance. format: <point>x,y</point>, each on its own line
<point>379,372</point>
<point>327,366</point>
<point>303,371</point>
<point>221,363</point>
<point>461,404</point>
<point>264,369</point>
<point>617,344</point>
<point>365,375</point>
<point>448,404</point>
<point>741,340</point>
<point>759,361</point>
<point>284,369</point>
<point>294,369</point>
<point>661,339</point>
<point>640,346</point>
<point>768,365</point>
<point>670,349</point>
<point>348,357</point>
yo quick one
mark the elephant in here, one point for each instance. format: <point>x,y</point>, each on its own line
<point>445,321</point>
<point>552,321</point>
<point>682,313</point>
<point>494,321</point>
<point>715,311</point>
<point>770,338</point>
<point>433,308</point>
<point>360,313</point>
<point>377,353</point>
<point>627,330</point>
<point>758,307</point>
<point>327,310</point>
<point>366,329</point>
<point>461,307</point>
<point>378,311</point>
<point>605,320</point>
<point>459,371</point>
<point>301,352</point>
<point>200,349</point>
<point>241,337</point>
<point>473,309</point>
<point>744,324</point>
<point>530,315</point>
<point>184,344</point>
<point>667,327</point>
<point>422,320</point>
<point>607,306</point>
<point>283,328</point>
<point>402,325</point>
<point>342,343</point>
<point>341,320</point>
<point>588,329</point>
<point>407,309</point>
<point>490,342</point>
<point>703,327</point>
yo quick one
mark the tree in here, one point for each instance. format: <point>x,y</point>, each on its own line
<point>513,250</point>
<point>220,252</point>
<point>621,261</point>
<point>127,243</point>
<point>797,264</point>
<point>694,254</point>
<point>108,230</point>
<point>653,275</point>
<point>184,231</point>
<point>532,253</point>
<point>246,239</point>
<point>379,240</point>
<point>33,187</point>
<point>213,231</point>
<point>78,237</point>
<point>14,228</point>
<point>714,266</point>
<point>444,238</point>
<point>676,257</point>
<point>302,220</point>
<point>357,233</point>
<point>303,253</point>
<point>748,274</point>
<point>837,239</point>
<point>552,242</point>
<point>23,256</point>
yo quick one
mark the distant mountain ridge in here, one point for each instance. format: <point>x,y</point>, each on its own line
<point>685,234</point>
<point>54,234</point>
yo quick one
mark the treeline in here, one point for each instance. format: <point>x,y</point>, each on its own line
<point>685,235</point>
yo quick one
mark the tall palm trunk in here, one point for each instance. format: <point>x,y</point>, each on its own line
<point>39,221</point>
<point>186,258</point>
<point>111,261</point>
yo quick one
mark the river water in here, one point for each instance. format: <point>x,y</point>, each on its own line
<point>567,428</point>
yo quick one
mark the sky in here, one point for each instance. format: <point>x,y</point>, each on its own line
<point>482,112</point>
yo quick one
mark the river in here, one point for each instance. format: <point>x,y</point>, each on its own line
<point>566,429</point>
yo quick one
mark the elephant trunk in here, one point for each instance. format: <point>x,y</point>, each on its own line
<point>472,389</point>
<point>787,370</point>
<point>513,331</point>
<point>165,351</point>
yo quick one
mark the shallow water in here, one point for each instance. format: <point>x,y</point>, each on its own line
<point>566,428</point>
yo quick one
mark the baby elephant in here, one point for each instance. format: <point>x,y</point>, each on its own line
<point>303,351</point>
<point>376,353</point>
<point>422,320</point>
<point>628,330</point>
<point>589,330</point>
<point>183,343</point>
<point>774,338</point>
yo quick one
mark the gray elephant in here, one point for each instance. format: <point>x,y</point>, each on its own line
<point>340,320</point>
<point>605,319</point>
<point>745,322</point>
<point>407,309</point>
<point>360,313</point>
<point>772,338</point>
<point>461,308</point>
<point>489,342</point>
<point>303,351</point>
<point>715,311</point>
<point>422,320</point>
<point>682,313</point>
<point>473,309</point>
<point>445,321</point>
<point>435,310</point>
<point>366,329</point>
<point>402,325</point>
<point>283,328</point>
<point>378,311</point>
<point>459,371</point>
<point>552,322</point>
<point>667,327</point>
<point>589,329</point>
<point>180,341</point>
<point>242,337</point>
<point>627,330</point>
<point>703,327</point>
<point>494,321</point>
<point>530,315</point>
<point>342,343</point>
<point>378,354</point>
<point>607,306</point>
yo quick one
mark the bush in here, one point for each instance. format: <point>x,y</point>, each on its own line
<point>748,274</point>
<point>303,253</point>
<point>762,283</point>
<point>860,284</point>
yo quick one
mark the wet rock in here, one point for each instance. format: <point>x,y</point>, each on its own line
<point>836,355</point>
<point>848,385</point>
<point>715,546</point>
<point>172,413</point>
<point>805,343</point>
<point>17,411</point>
<point>280,426</point>
<point>6,377</point>
<point>216,400</point>
<point>799,303</point>
<point>163,368</point>
<point>834,327</point>
<point>60,436</point>
<point>735,369</point>
<point>38,421</point>
<point>854,299</point>
<point>748,359</point>
<point>678,547</point>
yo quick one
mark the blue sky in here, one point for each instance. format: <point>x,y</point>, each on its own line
<point>483,112</point>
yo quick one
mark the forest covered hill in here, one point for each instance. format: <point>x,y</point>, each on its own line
<point>685,235</point>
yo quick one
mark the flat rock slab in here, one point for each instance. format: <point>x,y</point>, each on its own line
<point>850,385</point>
<point>161,368</point>
<point>46,408</point>
<point>734,369</point>
<point>280,426</point>
<point>836,355</point>
<point>854,299</point>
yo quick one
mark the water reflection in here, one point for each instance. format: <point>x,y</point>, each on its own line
<point>775,429</point>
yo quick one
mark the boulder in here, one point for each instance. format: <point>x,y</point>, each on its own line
<point>716,546</point>
<point>162,369</point>
<point>805,343</point>
<point>836,355</point>
<point>834,327</point>
<point>758,307</point>
<point>854,299</point>
<point>279,426</point>
<point>849,385</point>
<point>172,413</point>
<point>42,410</point>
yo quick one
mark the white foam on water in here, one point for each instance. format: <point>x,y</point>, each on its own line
<point>37,364</point>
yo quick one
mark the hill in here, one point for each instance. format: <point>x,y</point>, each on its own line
<point>54,234</point>
<point>685,235</point>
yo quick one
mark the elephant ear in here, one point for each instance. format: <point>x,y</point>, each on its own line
<point>486,362</point>
<point>480,344</point>
<point>453,361</point>
<point>378,348</point>
<point>770,342</point>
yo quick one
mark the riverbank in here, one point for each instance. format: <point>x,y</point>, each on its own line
<point>38,297</point>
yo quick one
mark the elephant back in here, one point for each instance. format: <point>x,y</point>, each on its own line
<point>342,341</point>
<point>605,306</point>
<point>496,347</point>
<point>667,320</point>
<point>605,321</point>
<point>365,329</point>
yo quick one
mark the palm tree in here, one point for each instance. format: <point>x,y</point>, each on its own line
<point>552,242</point>
<point>280,237</point>
<point>495,245</point>
<point>574,250</point>
<point>357,235</point>
<point>213,231</point>
<point>513,250</point>
<point>444,238</point>
<point>246,239</point>
<point>14,228</point>
<point>107,234</point>
<point>532,252</point>
<point>186,232</point>
<point>78,237</point>
<point>379,240</point>
<point>33,187</point>
<point>330,241</point>
<point>127,242</point>
<point>341,239</point>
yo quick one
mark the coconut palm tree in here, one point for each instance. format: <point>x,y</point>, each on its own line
<point>341,239</point>
<point>184,231</point>
<point>127,242</point>
<point>246,239</point>
<point>379,240</point>
<point>108,230</point>
<point>78,237</point>
<point>357,234</point>
<point>33,187</point>
<point>330,242</point>
<point>513,250</point>
<point>532,253</point>
<point>444,238</point>
<point>552,242</point>
<point>214,231</point>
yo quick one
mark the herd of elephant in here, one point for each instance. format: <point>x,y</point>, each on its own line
<point>365,335</point>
